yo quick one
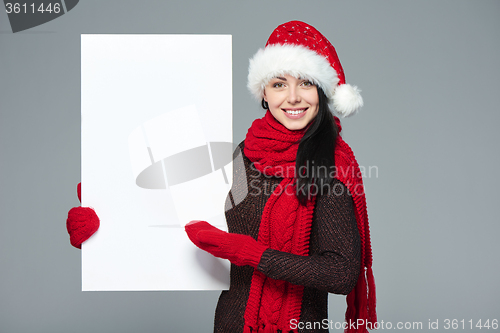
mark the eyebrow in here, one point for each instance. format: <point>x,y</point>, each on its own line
<point>281,78</point>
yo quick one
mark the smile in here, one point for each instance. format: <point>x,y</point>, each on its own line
<point>295,112</point>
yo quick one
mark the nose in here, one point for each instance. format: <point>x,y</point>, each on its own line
<point>293,95</point>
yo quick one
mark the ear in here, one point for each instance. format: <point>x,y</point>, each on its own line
<point>265,97</point>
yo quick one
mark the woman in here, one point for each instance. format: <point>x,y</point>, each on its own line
<point>301,230</point>
<point>297,235</point>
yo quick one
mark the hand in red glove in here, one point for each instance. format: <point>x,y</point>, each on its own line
<point>82,222</point>
<point>241,250</point>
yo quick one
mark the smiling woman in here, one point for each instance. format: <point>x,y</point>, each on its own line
<point>292,246</point>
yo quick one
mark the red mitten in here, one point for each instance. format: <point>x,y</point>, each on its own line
<point>82,223</point>
<point>193,227</point>
<point>241,250</point>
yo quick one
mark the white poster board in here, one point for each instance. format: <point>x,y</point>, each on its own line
<point>156,153</point>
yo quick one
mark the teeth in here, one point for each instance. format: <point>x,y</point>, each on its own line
<point>295,112</point>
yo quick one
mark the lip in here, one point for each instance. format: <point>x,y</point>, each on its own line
<point>295,116</point>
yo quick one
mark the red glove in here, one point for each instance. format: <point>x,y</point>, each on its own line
<point>82,222</point>
<point>240,249</point>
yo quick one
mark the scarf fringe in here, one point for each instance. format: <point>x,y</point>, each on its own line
<point>361,304</point>
<point>372,298</point>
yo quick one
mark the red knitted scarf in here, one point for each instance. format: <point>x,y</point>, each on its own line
<point>286,226</point>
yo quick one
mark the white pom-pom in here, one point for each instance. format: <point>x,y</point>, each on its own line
<point>347,100</point>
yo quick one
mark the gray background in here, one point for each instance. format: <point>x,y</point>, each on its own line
<point>429,74</point>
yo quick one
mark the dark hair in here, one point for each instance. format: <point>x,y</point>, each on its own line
<point>264,104</point>
<point>315,159</point>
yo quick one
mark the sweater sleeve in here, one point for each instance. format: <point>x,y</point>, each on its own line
<point>333,263</point>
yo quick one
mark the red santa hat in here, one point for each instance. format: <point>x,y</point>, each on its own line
<point>298,49</point>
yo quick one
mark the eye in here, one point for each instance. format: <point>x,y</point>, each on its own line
<point>307,83</point>
<point>278,85</point>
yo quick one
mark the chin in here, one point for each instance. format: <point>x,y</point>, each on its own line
<point>295,127</point>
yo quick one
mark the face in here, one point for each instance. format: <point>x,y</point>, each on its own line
<point>293,102</point>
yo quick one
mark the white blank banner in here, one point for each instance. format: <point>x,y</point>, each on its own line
<point>156,153</point>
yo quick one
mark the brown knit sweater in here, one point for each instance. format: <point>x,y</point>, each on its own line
<point>333,263</point>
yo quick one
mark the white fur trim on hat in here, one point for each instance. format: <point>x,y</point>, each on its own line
<point>347,100</point>
<point>301,62</point>
<point>295,60</point>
